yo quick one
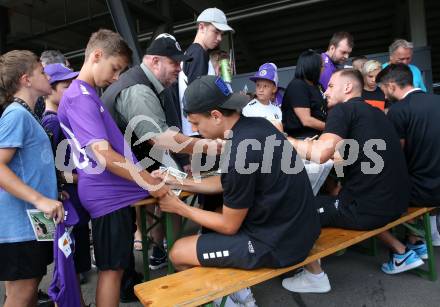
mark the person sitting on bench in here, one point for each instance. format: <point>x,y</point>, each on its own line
<point>375,186</point>
<point>415,118</point>
<point>268,218</point>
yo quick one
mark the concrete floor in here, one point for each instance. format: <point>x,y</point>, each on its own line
<point>355,278</point>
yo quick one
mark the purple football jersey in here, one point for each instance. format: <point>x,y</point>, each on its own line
<point>64,288</point>
<point>85,120</point>
<point>51,123</point>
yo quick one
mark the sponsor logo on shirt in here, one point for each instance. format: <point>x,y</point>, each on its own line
<point>251,247</point>
<point>83,90</point>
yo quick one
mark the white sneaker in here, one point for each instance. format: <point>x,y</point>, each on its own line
<point>244,297</point>
<point>435,238</point>
<point>435,235</point>
<point>306,282</point>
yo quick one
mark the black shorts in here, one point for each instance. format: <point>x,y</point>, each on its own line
<point>113,239</point>
<point>81,256</point>
<point>236,251</point>
<point>24,260</point>
<point>334,214</point>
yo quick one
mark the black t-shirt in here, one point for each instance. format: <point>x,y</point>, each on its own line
<point>375,98</point>
<point>385,193</point>
<point>199,65</point>
<point>282,215</point>
<point>300,94</point>
<point>417,120</point>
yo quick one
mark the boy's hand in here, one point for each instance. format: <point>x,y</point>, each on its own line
<point>160,192</point>
<point>63,195</point>
<point>53,208</point>
<point>166,177</point>
<point>159,174</point>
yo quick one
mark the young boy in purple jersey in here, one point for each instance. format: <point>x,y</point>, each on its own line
<point>109,180</point>
<point>60,79</point>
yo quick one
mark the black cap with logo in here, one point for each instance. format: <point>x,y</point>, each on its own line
<point>166,45</point>
<point>208,93</point>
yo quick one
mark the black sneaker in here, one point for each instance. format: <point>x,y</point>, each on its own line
<point>126,294</point>
<point>158,262</point>
<point>44,300</point>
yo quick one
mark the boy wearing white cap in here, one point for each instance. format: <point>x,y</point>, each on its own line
<point>211,24</point>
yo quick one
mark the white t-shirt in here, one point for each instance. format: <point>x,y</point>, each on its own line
<point>256,109</point>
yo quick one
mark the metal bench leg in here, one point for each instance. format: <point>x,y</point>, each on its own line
<point>369,248</point>
<point>170,238</point>
<point>169,234</point>
<point>372,248</point>
<point>145,243</point>
<point>222,304</point>
<point>431,273</point>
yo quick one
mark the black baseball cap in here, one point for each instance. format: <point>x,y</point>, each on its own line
<point>166,45</point>
<point>208,93</point>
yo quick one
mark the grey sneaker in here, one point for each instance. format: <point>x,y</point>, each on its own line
<point>244,297</point>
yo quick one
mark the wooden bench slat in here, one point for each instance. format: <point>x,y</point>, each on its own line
<point>198,286</point>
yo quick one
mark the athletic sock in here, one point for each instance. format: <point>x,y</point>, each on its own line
<point>433,221</point>
<point>317,276</point>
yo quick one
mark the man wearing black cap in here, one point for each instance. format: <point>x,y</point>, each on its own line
<point>268,217</point>
<point>139,91</point>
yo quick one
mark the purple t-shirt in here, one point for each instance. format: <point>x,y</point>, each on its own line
<point>85,120</point>
<point>329,69</point>
<point>51,123</point>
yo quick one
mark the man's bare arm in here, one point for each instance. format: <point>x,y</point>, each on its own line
<point>208,185</point>
<point>180,143</point>
<point>120,166</point>
<point>320,150</point>
<point>228,222</point>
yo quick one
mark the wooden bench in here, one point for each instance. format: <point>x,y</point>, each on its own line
<point>199,286</point>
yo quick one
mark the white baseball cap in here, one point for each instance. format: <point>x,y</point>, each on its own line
<point>216,17</point>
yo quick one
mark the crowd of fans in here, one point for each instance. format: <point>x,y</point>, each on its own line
<point>84,159</point>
